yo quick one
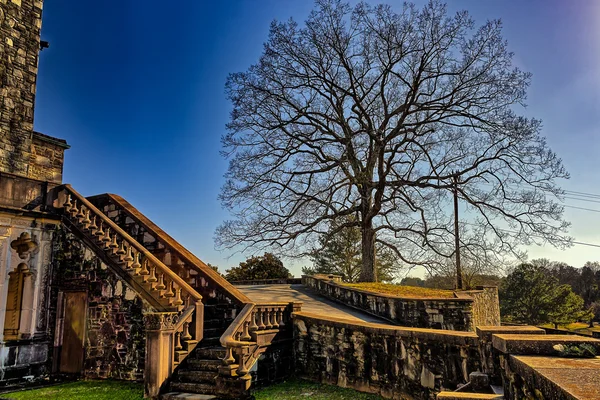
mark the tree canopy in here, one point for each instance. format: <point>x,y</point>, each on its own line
<point>531,294</point>
<point>267,266</point>
<point>383,115</point>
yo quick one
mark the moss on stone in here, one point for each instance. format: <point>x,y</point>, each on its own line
<point>402,291</point>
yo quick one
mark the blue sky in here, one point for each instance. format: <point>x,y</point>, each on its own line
<point>137,89</point>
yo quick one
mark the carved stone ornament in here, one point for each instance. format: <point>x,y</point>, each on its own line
<point>159,321</point>
<point>23,245</point>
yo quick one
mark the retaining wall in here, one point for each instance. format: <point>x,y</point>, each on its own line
<point>478,307</point>
<point>393,362</point>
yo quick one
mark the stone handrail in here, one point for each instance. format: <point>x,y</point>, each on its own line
<point>241,337</point>
<point>182,253</point>
<point>132,260</point>
<point>175,326</point>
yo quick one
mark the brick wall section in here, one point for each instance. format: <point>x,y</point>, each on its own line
<point>442,313</point>
<point>20,24</point>
<point>393,362</point>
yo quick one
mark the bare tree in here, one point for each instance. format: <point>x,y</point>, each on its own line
<point>374,113</point>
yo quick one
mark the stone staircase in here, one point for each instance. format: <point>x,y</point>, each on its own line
<point>200,371</point>
<point>202,334</point>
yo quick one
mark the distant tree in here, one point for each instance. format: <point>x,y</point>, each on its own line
<point>384,115</point>
<point>412,281</point>
<point>341,254</point>
<point>568,307</point>
<point>595,310</point>
<point>214,267</point>
<point>267,266</point>
<point>531,294</point>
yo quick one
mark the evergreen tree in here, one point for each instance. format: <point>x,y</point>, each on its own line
<point>532,295</point>
<point>340,254</point>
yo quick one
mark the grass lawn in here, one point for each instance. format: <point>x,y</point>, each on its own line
<point>579,327</point>
<point>402,291</point>
<point>118,390</point>
<point>84,390</point>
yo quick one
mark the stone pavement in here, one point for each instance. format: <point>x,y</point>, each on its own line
<point>311,302</point>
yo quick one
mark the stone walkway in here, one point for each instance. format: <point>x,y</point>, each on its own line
<point>311,302</point>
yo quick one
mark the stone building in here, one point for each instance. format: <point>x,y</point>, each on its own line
<point>31,163</point>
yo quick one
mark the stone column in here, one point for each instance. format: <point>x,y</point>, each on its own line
<point>159,350</point>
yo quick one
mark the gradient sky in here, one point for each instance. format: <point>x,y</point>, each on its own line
<point>137,89</point>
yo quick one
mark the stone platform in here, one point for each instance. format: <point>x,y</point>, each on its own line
<point>312,303</point>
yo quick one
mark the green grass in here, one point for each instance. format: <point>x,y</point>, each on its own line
<point>402,291</point>
<point>302,390</point>
<point>83,390</point>
<point>118,390</point>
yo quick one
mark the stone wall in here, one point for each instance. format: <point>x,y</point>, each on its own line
<point>394,362</point>
<point>486,306</point>
<point>20,24</point>
<point>115,336</point>
<point>47,158</point>
<point>442,313</point>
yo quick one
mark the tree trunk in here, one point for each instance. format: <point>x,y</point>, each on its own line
<point>368,271</point>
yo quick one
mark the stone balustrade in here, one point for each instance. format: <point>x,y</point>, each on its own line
<point>462,313</point>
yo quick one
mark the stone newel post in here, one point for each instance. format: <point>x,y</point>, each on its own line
<point>159,350</point>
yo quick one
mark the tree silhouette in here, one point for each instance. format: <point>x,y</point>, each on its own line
<point>381,115</point>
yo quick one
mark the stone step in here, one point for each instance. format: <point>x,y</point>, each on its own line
<point>217,323</point>
<point>211,341</point>
<point>197,376</point>
<point>468,396</point>
<point>201,388</point>
<point>210,353</point>
<point>214,332</point>
<point>203,365</point>
<point>539,344</point>
<point>187,396</point>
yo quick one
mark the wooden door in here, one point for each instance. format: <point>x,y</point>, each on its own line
<point>71,354</point>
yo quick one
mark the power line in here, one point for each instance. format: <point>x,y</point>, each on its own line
<point>582,208</point>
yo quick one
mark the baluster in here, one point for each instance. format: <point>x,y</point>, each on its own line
<point>161,282</point>
<point>274,320</point>
<point>186,331</point>
<point>121,251</point>
<point>74,209</point>
<point>128,259</point>
<point>268,324</point>
<point>152,277</point>
<point>228,360</point>
<point>113,246</point>
<point>80,215</point>
<point>144,270</point>
<point>106,238</point>
<point>136,263</point>
<point>261,317</point>
<point>169,292</point>
<point>100,232</point>
<point>253,327</point>
<point>177,301</point>
<point>86,220</point>
<point>93,227</point>
<point>68,204</point>
<point>178,341</point>
<point>281,317</point>
<point>245,335</point>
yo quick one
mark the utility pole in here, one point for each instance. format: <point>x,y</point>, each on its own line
<point>459,282</point>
